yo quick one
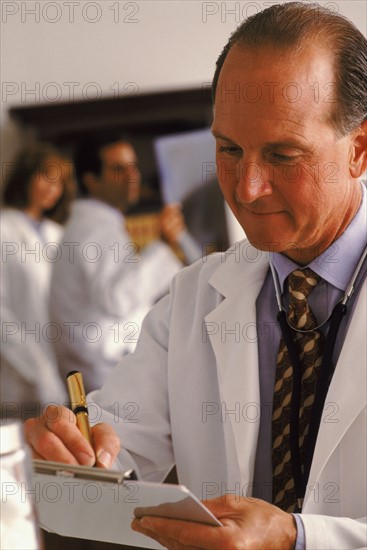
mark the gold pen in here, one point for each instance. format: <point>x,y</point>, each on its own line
<point>78,403</point>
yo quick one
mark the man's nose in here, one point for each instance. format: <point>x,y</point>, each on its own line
<point>253,181</point>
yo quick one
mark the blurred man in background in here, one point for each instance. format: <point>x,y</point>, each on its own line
<point>102,286</point>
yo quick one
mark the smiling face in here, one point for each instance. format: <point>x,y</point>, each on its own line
<point>283,169</point>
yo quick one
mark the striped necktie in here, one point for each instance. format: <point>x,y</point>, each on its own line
<point>310,349</point>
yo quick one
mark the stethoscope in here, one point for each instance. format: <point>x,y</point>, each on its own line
<point>326,373</point>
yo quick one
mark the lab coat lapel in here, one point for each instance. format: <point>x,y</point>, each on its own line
<point>346,397</point>
<point>232,331</point>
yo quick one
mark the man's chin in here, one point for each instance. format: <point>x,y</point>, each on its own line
<point>133,201</point>
<point>268,245</point>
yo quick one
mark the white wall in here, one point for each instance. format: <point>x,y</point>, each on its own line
<point>72,49</point>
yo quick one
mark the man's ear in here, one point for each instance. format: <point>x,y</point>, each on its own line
<point>358,160</point>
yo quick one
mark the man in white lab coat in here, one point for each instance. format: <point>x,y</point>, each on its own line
<point>101,286</point>
<point>202,377</point>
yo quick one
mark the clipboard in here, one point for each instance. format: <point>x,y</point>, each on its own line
<point>99,504</point>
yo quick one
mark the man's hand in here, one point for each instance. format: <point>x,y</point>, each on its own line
<point>54,436</point>
<point>248,523</point>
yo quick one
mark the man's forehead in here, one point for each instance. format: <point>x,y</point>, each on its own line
<point>122,151</point>
<point>276,84</point>
<point>311,61</point>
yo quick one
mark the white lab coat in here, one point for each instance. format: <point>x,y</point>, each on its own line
<point>102,288</point>
<point>29,373</point>
<point>189,395</point>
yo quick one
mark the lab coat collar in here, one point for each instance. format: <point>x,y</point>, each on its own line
<point>231,327</point>
<point>242,264</point>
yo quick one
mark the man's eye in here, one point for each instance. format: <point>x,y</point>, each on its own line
<point>283,158</point>
<point>231,150</point>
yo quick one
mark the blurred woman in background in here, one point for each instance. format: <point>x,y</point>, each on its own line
<point>39,183</point>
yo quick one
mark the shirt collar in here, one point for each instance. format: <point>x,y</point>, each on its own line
<point>338,262</point>
<point>92,202</point>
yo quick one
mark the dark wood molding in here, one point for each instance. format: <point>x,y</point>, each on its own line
<point>153,113</point>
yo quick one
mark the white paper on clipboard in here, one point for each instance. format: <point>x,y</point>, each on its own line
<point>102,509</point>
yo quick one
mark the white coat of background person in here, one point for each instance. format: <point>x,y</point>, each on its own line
<point>197,354</point>
<point>102,287</point>
<point>29,375</point>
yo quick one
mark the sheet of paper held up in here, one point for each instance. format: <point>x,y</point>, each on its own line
<point>185,161</point>
<point>72,502</point>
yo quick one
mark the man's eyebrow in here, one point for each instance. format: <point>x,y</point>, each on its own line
<point>284,142</point>
<point>221,136</point>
